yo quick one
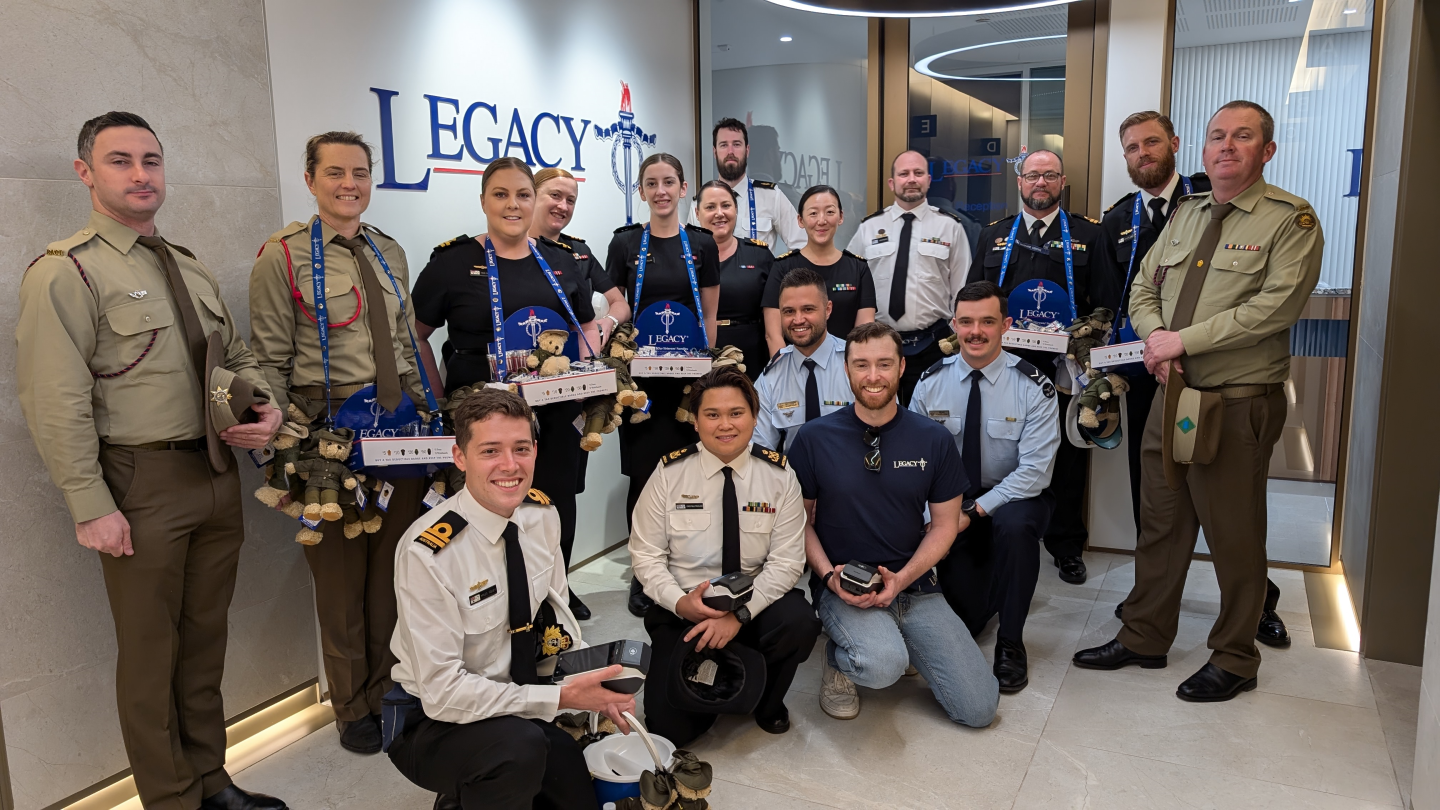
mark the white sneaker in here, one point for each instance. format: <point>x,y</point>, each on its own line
<point>838,696</point>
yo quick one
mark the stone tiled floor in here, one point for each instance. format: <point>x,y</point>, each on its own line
<point>1324,730</point>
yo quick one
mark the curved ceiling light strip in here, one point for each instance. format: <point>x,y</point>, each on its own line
<point>923,66</point>
<point>860,8</point>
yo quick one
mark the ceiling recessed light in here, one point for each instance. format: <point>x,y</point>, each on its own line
<point>788,38</point>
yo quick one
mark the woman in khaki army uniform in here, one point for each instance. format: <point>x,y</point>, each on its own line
<point>369,327</point>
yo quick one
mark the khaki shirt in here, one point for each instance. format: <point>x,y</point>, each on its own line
<point>1264,269</point>
<point>101,354</point>
<point>287,340</point>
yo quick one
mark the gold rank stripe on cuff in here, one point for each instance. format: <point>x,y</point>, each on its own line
<point>440,533</point>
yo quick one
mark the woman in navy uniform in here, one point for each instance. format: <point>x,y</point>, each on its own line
<point>667,278</point>
<point>454,290</point>
<point>847,277</point>
<point>744,269</point>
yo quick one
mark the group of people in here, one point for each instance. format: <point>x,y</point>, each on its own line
<point>850,441</point>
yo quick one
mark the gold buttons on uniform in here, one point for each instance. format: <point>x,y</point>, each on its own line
<point>1199,262</point>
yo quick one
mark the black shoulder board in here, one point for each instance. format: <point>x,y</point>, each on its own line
<point>787,255</point>
<point>845,252</point>
<point>538,497</point>
<point>1091,220</point>
<point>462,238</point>
<point>545,240</point>
<point>752,242</point>
<point>1120,201</point>
<point>442,531</point>
<point>676,455</point>
<point>872,216</point>
<point>997,222</point>
<point>1046,387</point>
<point>571,240</point>
<point>367,226</point>
<point>935,368</point>
<point>950,214</point>
<point>763,183</point>
<point>632,226</point>
<point>182,249</point>
<point>778,459</point>
<point>773,362</point>
<point>698,229</point>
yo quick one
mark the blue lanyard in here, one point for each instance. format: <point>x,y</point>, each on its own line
<point>1069,257</point>
<point>1135,243</point>
<point>430,400</point>
<point>750,186</point>
<point>689,268</point>
<point>497,309</point>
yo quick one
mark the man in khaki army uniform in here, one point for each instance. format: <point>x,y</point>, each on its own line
<point>1215,300</point>
<point>110,352</point>
<point>369,337</point>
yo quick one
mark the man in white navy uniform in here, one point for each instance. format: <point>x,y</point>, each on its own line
<point>806,379</point>
<point>773,214</point>
<point>481,591</point>
<point>919,257</point>
<point>1002,412</point>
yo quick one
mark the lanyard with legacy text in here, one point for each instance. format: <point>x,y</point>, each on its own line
<point>689,268</point>
<point>430,400</point>
<point>322,317</point>
<point>1069,257</point>
<point>497,308</point>
<point>1135,241</point>
<point>750,186</point>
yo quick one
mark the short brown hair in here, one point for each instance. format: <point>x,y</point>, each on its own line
<point>874,330</point>
<point>485,402</point>
<point>1136,119</point>
<point>724,377</point>
<point>1267,122</point>
<point>312,147</point>
<point>85,144</point>
<point>500,164</point>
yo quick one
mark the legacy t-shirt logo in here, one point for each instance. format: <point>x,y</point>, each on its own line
<point>920,463</point>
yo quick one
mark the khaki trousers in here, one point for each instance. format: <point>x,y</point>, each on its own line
<point>171,603</point>
<point>1227,499</point>
<point>355,601</point>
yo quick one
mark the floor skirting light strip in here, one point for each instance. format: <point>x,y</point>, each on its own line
<point>1332,613</point>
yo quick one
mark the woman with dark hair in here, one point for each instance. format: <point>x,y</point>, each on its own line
<point>456,289</point>
<point>744,268</point>
<point>847,276</point>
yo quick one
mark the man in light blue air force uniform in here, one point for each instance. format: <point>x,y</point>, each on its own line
<point>806,380</point>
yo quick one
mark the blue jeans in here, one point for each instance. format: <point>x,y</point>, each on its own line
<point>872,647</point>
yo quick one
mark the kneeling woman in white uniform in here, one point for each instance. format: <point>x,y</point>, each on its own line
<point>713,508</point>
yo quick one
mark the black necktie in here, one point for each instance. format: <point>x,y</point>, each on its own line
<point>812,391</point>
<point>730,526</point>
<point>970,444</point>
<point>902,270</point>
<point>387,373</point>
<point>1157,213</point>
<point>522,635</point>
<point>1037,233</point>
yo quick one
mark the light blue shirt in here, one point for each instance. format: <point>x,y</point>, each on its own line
<point>1022,424</point>
<point>782,391</point>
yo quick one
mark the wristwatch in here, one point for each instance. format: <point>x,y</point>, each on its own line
<point>742,613</point>
<point>969,507</point>
<point>613,320</point>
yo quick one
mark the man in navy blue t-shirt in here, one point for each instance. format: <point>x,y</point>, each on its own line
<point>867,474</point>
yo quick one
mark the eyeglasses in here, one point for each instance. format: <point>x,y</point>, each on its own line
<point>1034,177</point>
<point>872,457</point>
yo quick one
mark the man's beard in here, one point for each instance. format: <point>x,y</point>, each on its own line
<point>730,175</point>
<point>880,401</point>
<point>1034,204</point>
<point>1156,174</point>
<point>816,335</point>
<point>911,195</point>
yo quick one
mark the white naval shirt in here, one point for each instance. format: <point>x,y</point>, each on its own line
<point>677,530</point>
<point>774,216</point>
<point>453,632</point>
<point>939,263</point>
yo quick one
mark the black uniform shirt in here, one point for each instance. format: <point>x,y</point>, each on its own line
<point>1120,239</point>
<point>848,283</point>
<point>742,281</point>
<point>666,278</point>
<point>1095,285</point>
<point>454,290</point>
<point>596,277</point>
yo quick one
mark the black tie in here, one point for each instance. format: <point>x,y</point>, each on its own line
<point>902,270</point>
<point>812,392</point>
<point>1157,213</point>
<point>522,636</point>
<point>1037,233</point>
<point>730,523</point>
<point>970,444</point>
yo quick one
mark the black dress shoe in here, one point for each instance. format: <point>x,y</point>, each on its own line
<point>1117,611</point>
<point>361,736</point>
<point>1011,668</point>
<point>1114,655</point>
<point>1272,630</point>
<point>639,602</point>
<point>1072,569</point>
<point>580,609</point>
<point>1212,685</point>
<point>443,802</point>
<point>233,798</point>
<point>779,724</point>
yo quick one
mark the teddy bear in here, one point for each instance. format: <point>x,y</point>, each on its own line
<point>1088,332</point>
<point>602,415</point>
<point>1100,387</point>
<point>546,358</point>
<point>949,345</point>
<point>325,474</point>
<point>282,490</point>
<point>617,353</point>
<point>724,356</point>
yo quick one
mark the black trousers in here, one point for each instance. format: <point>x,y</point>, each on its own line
<point>503,763</point>
<point>1137,406</point>
<point>642,445</point>
<point>915,365</point>
<point>994,565</point>
<point>750,339</point>
<point>1067,534</point>
<point>784,633</point>
<point>557,456</point>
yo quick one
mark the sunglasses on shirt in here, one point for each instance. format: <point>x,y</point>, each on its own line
<point>872,456</point>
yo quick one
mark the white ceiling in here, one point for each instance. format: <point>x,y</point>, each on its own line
<point>746,33</point>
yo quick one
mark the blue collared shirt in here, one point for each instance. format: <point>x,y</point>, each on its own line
<point>782,391</point>
<point>1022,425</point>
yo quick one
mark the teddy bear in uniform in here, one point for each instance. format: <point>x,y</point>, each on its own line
<point>325,474</point>
<point>617,353</point>
<point>546,358</point>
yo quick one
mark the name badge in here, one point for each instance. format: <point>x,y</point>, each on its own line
<point>939,414</point>
<point>786,406</point>
<point>689,506</point>
<point>477,598</point>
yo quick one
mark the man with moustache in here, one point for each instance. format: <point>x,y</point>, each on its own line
<point>806,380</point>
<point>919,257</point>
<point>1033,241</point>
<point>1001,411</point>
<point>763,212</point>
<point>1131,228</point>
<point>1215,301</point>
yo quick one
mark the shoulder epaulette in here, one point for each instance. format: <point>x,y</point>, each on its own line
<point>1281,195</point>
<point>950,214</point>
<point>1046,387</point>
<point>752,242</point>
<point>442,531</point>
<point>845,252</point>
<point>699,229</point>
<point>787,254</point>
<point>373,229</point>
<point>459,240</point>
<point>632,226</point>
<point>1091,220</point>
<point>937,365</point>
<point>676,455</point>
<point>872,216</point>
<point>762,183</point>
<point>573,240</point>
<point>64,246</point>
<point>1121,201</point>
<point>545,240</point>
<point>776,458</point>
<point>998,221</point>
<point>535,496</point>
<point>1188,197</point>
<point>288,231</point>
<point>773,361</point>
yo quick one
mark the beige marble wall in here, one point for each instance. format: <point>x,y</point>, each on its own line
<point>199,73</point>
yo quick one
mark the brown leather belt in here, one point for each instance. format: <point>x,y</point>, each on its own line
<point>188,445</point>
<point>336,391</point>
<point>1243,391</point>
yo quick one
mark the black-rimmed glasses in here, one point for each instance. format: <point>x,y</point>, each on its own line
<point>872,456</point>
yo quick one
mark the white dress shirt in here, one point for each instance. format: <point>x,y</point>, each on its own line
<point>453,632</point>
<point>1168,195</point>
<point>939,263</point>
<point>1048,219</point>
<point>677,530</point>
<point>774,217</point>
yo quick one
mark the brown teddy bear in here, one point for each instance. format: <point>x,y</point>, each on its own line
<point>282,490</point>
<point>546,358</point>
<point>1089,332</point>
<point>724,356</point>
<point>1100,388</point>
<point>602,415</point>
<point>325,474</point>
<point>617,353</point>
